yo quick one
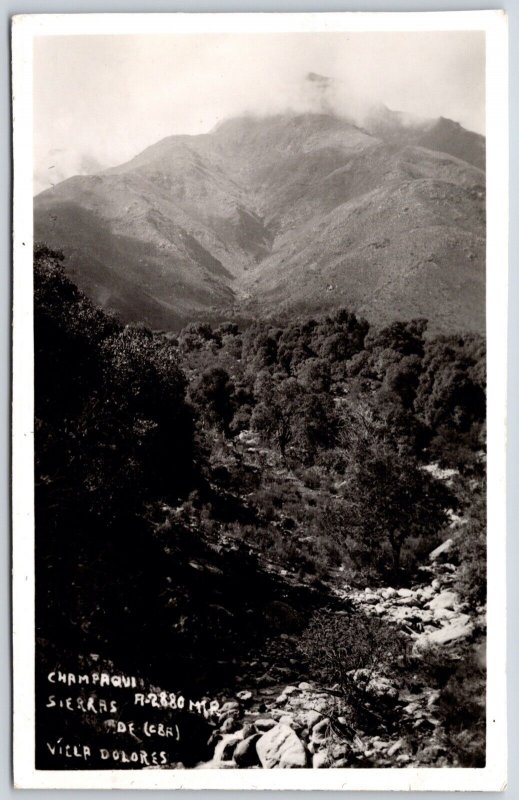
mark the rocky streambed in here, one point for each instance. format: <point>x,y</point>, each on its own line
<point>300,725</point>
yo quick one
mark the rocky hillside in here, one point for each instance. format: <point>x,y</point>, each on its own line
<point>292,212</point>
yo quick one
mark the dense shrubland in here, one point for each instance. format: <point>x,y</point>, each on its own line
<point>307,445</point>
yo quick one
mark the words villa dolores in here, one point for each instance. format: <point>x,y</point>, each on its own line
<point>152,719</point>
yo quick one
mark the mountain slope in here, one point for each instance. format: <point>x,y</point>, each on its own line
<point>282,213</point>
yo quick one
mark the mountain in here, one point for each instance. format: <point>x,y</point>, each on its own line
<point>279,214</point>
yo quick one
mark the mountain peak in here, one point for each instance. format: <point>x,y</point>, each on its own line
<point>300,211</point>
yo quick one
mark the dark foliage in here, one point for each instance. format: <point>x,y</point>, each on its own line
<point>205,486</point>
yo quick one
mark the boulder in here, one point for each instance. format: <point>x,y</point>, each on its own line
<point>371,599</point>
<point>245,754</point>
<point>404,593</point>
<point>281,747</point>
<point>442,549</point>
<point>321,726</point>
<point>229,725</point>
<point>382,687</point>
<point>244,696</point>
<point>320,760</point>
<point>225,748</point>
<point>320,732</point>
<point>410,600</point>
<point>449,633</point>
<point>443,613</point>
<point>395,747</point>
<point>311,718</point>
<point>433,698</point>
<point>446,600</point>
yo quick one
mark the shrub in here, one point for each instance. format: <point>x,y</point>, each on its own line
<point>337,647</point>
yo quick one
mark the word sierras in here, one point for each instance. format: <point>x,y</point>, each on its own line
<point>93,704</point>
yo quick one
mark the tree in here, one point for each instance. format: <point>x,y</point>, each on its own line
<point>389,496</point>
<point>109,405</point>
<point>451,390</point>
<point>295,420</point>
<point>314,375</point>
<point>213,395</point>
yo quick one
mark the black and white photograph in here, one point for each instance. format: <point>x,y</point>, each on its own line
<point>258,410</point>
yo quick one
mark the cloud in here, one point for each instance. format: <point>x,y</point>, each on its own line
<point>99,100</point>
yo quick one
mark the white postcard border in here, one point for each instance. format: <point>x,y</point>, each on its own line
<point>25,27</point>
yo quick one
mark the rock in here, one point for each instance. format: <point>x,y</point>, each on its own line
<point>244,696</point>
<point>404,593</point>
<point>431,753</point>
<point>264,724</point>
<point>320,732</point>
<point>229,706</point>
<point>372,599</point>
<point>433,698</point>
<point>401,614</point>
<point>377,743</point>
<point>403,759</point>
<point>449,633</point>
<point>443,613</point>
<point>225,748</point>
<point>379,686</point>
<point>442,549</point>
<point>407,601</point>
<point>388,592</point>
<point>339,751</point>
<point>245,754</point>
<point>290,690</point>
<point>305,687</point>
<point>425,724</point>
<point>320,760</point>
<point>281,747</point>
<point>229,725</point>
<point>395,747</point>
<point>311,718</point>
<point>446,599</point>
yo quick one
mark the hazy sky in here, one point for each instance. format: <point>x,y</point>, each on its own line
<point>99,100</point>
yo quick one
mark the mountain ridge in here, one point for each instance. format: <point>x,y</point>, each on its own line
<point>279,214</point>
